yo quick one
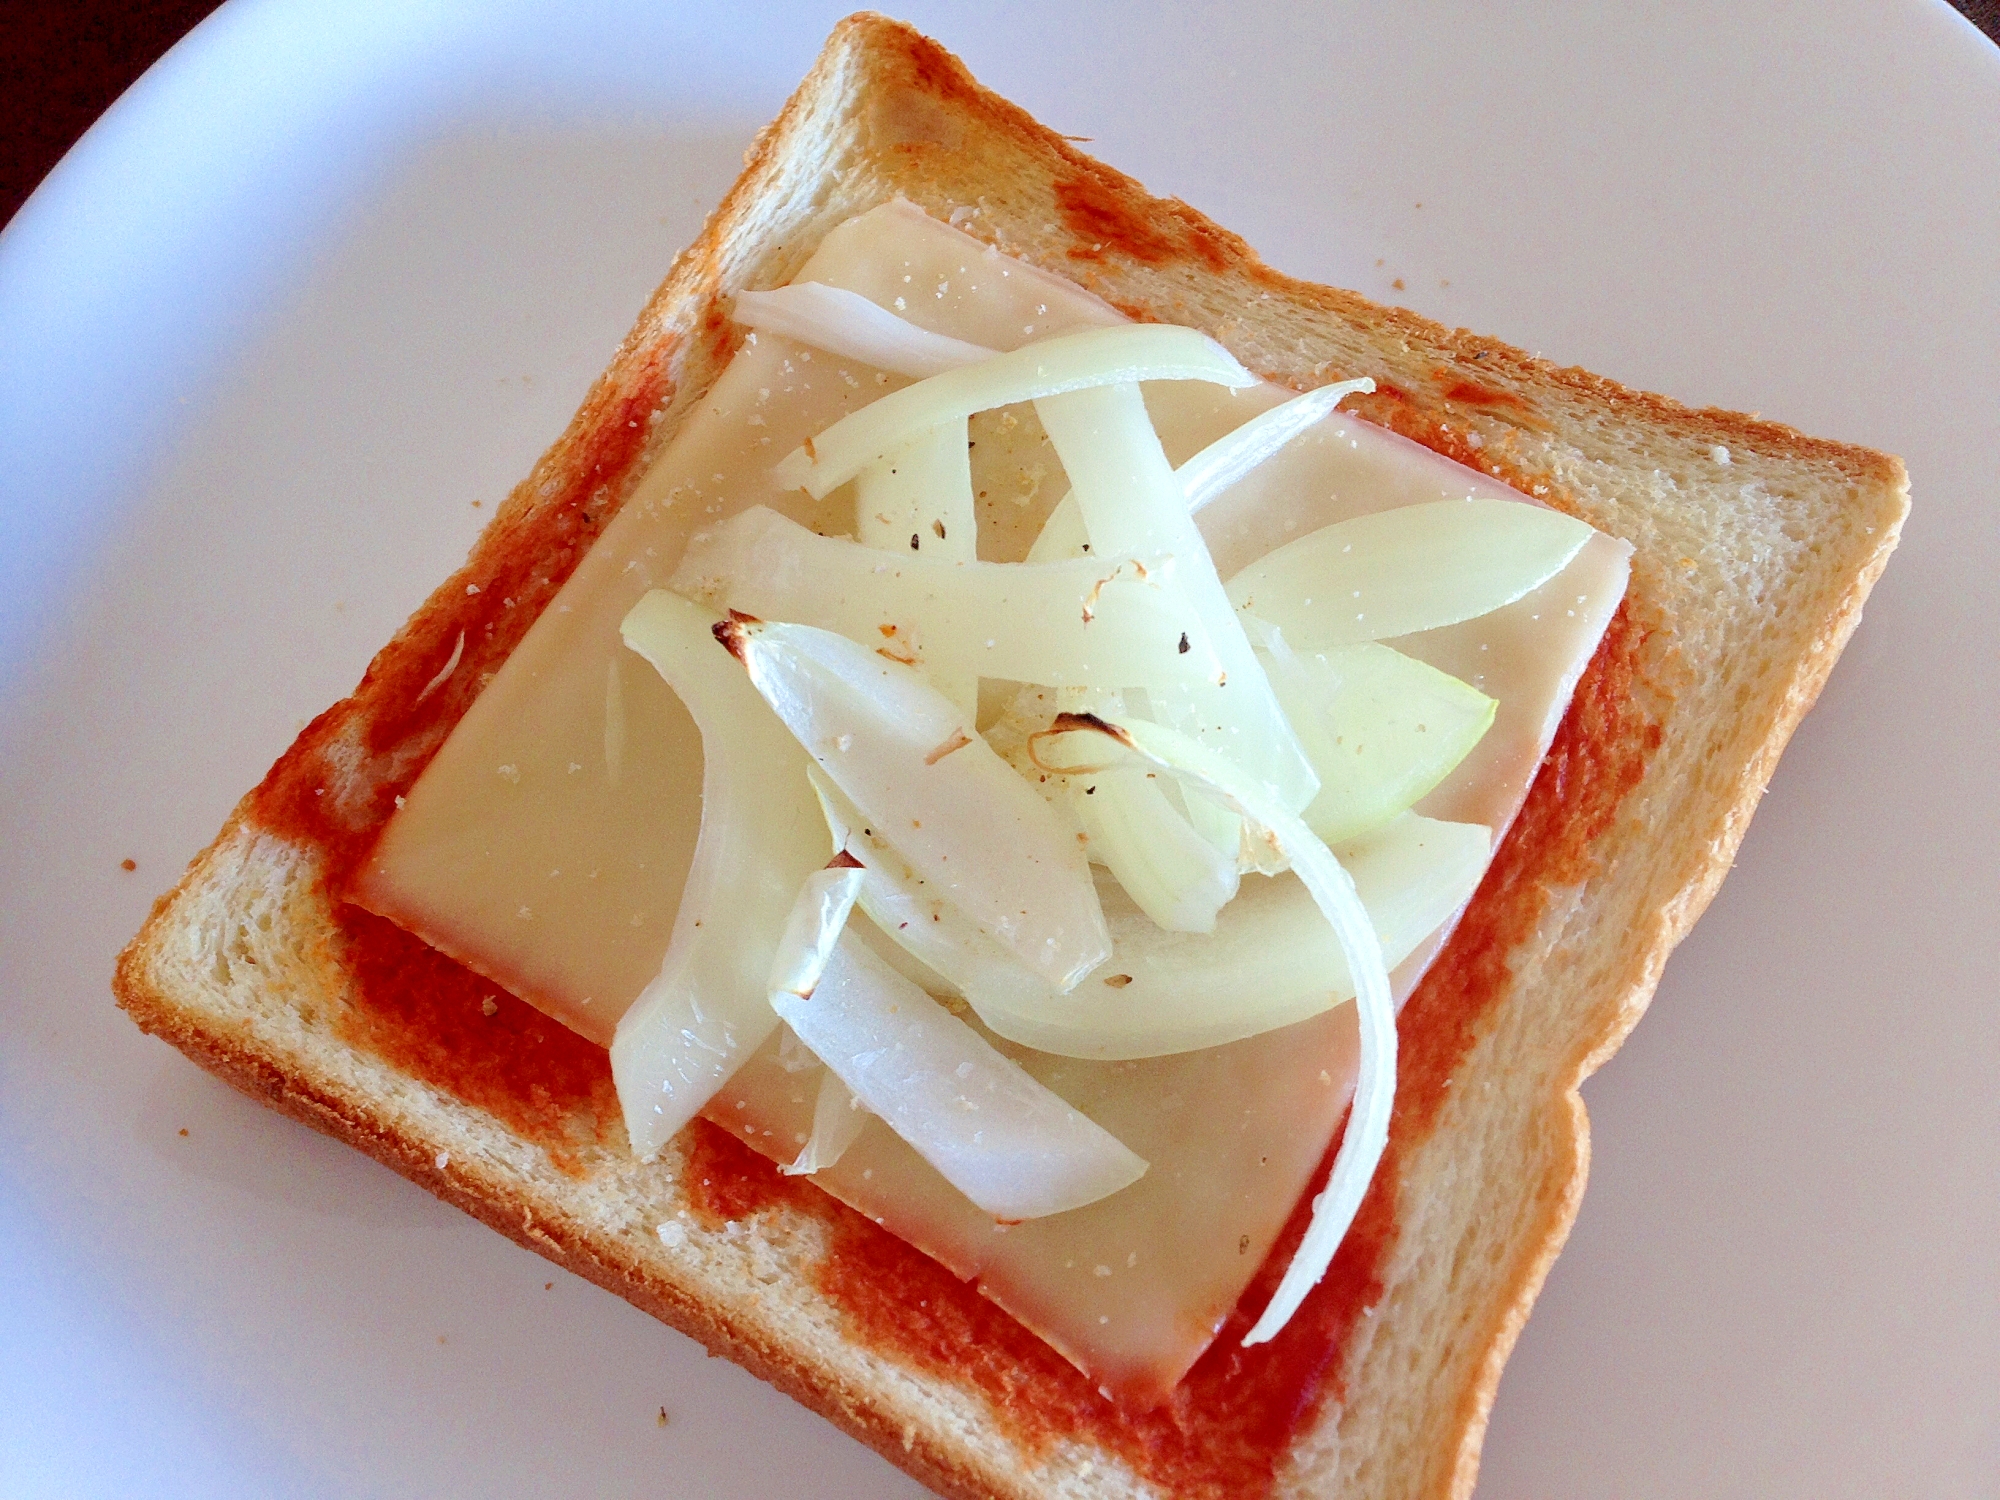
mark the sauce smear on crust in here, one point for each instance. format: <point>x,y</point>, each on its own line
<point>1599,753</point>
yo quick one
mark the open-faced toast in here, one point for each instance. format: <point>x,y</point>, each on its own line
<point>1754,550</point>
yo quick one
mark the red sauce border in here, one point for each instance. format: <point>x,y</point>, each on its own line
<point>436,1020</point>
<point>1230,1422</point>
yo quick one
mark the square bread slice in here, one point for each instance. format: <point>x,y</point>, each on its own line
<point>1746,580</point>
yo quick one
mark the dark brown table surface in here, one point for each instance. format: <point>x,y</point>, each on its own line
<point>63,64</point>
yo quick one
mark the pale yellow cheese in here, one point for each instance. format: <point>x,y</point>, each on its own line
<point>546,844</point>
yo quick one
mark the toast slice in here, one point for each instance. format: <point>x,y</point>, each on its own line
<point>1750,569</point>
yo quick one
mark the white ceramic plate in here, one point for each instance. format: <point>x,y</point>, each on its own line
<point>330,276</point>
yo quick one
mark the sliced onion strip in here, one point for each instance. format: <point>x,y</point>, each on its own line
<point>761,835</point>
<point>1270,962</point>
<point>837,1121</point>
<point>1131,502</point>
<point>1213,470</point>
<point>1226,460</point>
<point>1016,1149</point>
<point>941,939</point>
<point>980,834</point>
<point>1382,729</point>
<point>848,324</point>
<point>1073,361</point>
<point>1178,878</point>
<point>919,499</point>
<point>1115,620</point>
<point>1418,567</point>
<point>818,914</point>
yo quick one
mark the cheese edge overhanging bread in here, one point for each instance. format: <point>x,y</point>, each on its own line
<point>1747,578</point>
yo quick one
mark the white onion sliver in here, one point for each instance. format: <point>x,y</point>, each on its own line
<point>942,941</point>
<point>940,796</point>
<point>1367,1132</point>
<point>946,943</point>
<point>1382,729</point>
<point>1176,876</point>
<point>1418,567</point>
<point>1235,454</point>
<point>1073,361</point>
<point>848,324</point>
<point>761,835</point>
<point>1114,620</point>
<point>1132,503</point>
<point>1270,962</point>
<point>837,1121</point>
<point>918,498</point>
<point>818,914</point>
<point>1213,470</point>
<point>1017,1150</point>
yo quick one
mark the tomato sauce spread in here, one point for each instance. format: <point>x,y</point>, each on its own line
<point>1227,1427</point>
<point>1227,1423</point>
<point>438,1021</point>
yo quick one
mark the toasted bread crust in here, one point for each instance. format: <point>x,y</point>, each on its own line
<point>1746,582</point>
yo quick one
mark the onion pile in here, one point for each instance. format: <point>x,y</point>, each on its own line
<point>1191,825</point>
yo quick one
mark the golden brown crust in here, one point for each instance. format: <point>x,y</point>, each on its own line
<point>893,111</point>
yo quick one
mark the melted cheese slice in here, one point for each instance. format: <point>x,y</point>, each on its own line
<point>546,844</point>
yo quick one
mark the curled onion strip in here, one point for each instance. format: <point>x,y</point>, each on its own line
<point>1071,362</point>
<point>1081,743</point>
<point>706,1011</point>
<point>1270,962</point>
